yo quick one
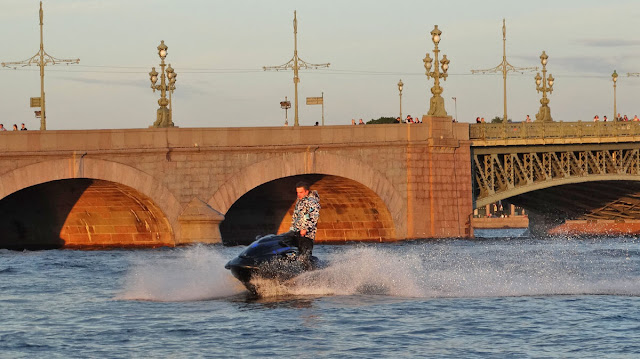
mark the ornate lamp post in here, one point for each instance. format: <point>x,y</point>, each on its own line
<point>455,104</point>
<point>614,77</point>
<point>285,105</point>
<point>41,59</point>
<point>436,104</point>
<point>544,114</point>
<point>167,83</point>
<point>504,67</point>
<point>400,85</point>
<point>296,64</point>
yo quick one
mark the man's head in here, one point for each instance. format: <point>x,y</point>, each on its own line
<point>302,189</point>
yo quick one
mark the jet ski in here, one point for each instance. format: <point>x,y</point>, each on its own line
<point>271,257</point>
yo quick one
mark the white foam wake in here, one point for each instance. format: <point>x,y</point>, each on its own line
<point>422,271</point>
<point>361,270</point>
<point>196,273</point>
<point>432,272</point>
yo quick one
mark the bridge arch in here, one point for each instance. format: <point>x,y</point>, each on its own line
<point>518,190</point>
<point>306,163</point>
<point>140,188</point>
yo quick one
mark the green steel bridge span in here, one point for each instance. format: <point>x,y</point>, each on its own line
<point>510,161</point>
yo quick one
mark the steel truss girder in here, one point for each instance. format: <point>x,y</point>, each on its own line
<point>498,172</point>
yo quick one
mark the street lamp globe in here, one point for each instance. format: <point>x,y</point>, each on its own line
<point>435,35</point>
<point>162,50</point>
<point>550,80</point>
<point>614,76</point>
<point>427,63</point>
<point>400,85</point>
<point>170,72</point>
<point>153,76</point>
<point>445,63</point>
<point>544,58</point>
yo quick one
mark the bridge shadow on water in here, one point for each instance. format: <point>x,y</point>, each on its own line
<point>601,200</point>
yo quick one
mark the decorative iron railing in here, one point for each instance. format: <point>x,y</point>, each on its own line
<point>552,130</point>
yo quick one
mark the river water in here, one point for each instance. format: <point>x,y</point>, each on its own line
<point>507,298</point>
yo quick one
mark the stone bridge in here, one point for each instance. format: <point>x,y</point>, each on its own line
<point>167,187</point>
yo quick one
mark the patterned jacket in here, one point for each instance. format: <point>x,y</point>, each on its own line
<point>306,214</point>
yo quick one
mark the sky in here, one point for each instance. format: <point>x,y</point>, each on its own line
<point>218,49</point>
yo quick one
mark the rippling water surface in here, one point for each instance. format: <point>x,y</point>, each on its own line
<point>518,298</point>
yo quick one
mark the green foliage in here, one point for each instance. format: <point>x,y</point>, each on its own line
<point>498,119</point>
<point>382,120</point>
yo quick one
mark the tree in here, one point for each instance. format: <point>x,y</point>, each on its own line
<point>382,120</point>
<point>498,119</point>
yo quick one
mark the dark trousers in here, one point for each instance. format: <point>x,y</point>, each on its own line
<point>305,246</point>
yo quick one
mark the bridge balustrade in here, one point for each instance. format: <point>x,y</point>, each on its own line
<point>551,130</point>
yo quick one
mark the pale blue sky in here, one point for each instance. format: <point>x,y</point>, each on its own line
<point>218,49</point>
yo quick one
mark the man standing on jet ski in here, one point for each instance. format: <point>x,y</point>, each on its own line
<point>305,218</point>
